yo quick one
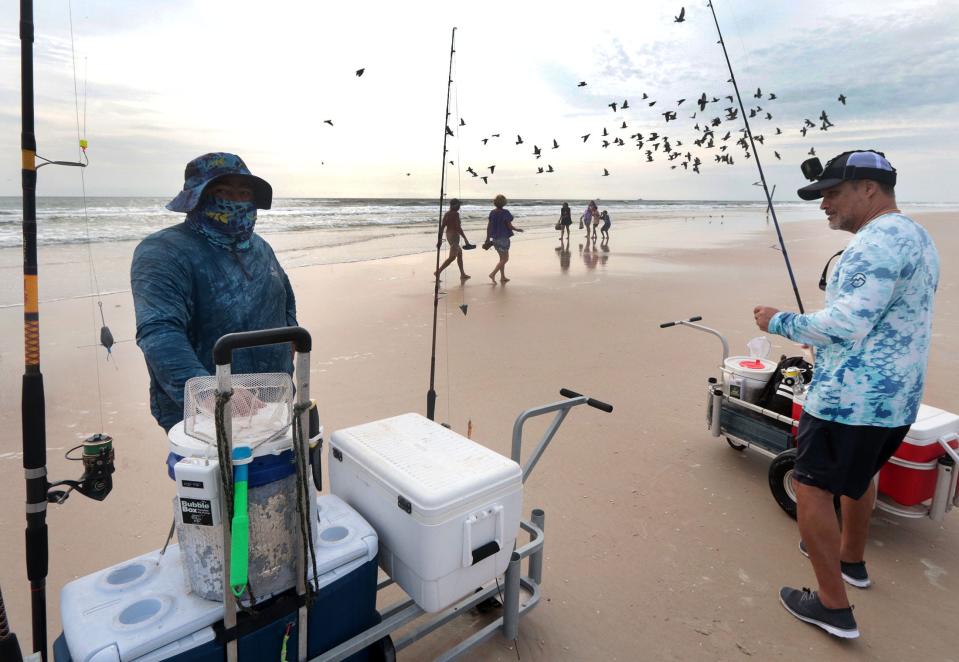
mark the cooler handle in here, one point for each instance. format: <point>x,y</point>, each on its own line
<point>473,556</point>
<point>945,440</point>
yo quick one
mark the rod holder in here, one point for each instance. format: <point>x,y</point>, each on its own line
<point>511,599</point>
<point>536,558</point>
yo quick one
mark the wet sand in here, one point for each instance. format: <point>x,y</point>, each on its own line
<point>661,542</point>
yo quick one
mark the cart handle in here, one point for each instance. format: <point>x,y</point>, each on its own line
<point>602,406</point>
<point>561,408</point>
<point>666,325</point>
<point>223,349</point>
<point>689,323</point>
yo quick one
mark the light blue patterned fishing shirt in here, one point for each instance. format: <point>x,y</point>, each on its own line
<point>872,338</point>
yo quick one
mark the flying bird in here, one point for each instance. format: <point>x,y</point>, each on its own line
<point>462,122</point>
<point>536,151</point>
<point>625,104</point>
<point>777,155</point>
<point>491,169</point>
<point>812,151</point>
<point>539,171</point>
<point>759,93</point>
<point>669,115</point>
<point>330,122</point>
<point>555,144</point>
<point>519,139</point>
<point>549,168</point>
<point>772,96</point>
<point>359,72</point>
<point>680,102</point>
<point>485,179</point>
<point>842,99</point>
<point>613,106</point>
<point>702,101</point>
<point>449,131</point>
<point>582,83</point>
<point>624,126</point>
<point>586,137</point>
<point>485,140</point>
<point>605,172</point>
<point>681,17</point>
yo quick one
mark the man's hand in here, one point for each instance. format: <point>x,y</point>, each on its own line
<point>762,315</point>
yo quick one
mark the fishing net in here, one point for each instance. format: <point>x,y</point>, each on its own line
<point>261,408</point>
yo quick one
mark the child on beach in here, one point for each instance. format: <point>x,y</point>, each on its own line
<point>454,230</point>
<point>606,223</point>
<point>498,231</point>
<point>565,221</point>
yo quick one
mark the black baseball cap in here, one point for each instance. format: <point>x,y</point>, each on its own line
<point>848,166</point>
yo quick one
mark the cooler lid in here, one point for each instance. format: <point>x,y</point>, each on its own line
<point>428,464</point>
<point>931,423</point>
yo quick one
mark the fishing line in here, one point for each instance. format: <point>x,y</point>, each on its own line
<point>105,334</point>
<point>762,175</point>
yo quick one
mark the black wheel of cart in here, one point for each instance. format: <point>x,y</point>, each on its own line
<point>781,481</point>
<point>735,445</point>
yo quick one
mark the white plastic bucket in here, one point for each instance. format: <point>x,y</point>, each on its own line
<point>754,372</point>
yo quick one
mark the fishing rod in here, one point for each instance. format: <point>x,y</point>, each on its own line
<point>762,176</point>
<point>431,394</point>
<point>97,454</point>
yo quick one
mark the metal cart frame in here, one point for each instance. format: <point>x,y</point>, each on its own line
<point>399,614</point>
<point>746,425</point>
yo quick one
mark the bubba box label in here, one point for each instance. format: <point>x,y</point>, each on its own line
<point>196,511</point>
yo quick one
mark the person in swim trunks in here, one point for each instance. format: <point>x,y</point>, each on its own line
<point>453,228</point>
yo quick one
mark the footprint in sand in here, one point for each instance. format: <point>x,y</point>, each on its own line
<point>933,573</point>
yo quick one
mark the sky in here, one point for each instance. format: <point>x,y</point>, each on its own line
<point>153,84</point>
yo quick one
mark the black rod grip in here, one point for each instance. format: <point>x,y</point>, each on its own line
<point>566,393</point>
<point>602,406</point>
<point>223,349</point>
<point>666,325</point>
<point>695,319</point>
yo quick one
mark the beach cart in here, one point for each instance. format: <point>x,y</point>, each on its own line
<point>920,480</point>
<point>290,572</point>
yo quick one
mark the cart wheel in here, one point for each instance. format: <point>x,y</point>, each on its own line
<point>781,481</point>
<point>735,446</point>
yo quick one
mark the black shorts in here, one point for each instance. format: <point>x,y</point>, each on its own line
<point>840,458</point>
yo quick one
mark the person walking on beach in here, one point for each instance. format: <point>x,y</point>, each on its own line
<point>565,221</point>
<point>206,277</point>
<point>498,231</point>
<point>872,342</point>
<point>587,219</point>
<point>606,223</point>
<point>454,230</point>
<point>595,214</point>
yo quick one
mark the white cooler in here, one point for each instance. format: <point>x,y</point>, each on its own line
<point>445,508</point>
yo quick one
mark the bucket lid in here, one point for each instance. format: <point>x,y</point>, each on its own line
<point>746,365</point>
<point>186,446</point>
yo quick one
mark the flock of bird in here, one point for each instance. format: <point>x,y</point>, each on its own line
<point>705,128</point>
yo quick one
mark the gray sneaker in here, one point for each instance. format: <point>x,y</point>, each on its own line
<point>853,574</point>
<point>805,606</point>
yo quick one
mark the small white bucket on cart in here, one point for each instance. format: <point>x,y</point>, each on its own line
<point>753,372</point>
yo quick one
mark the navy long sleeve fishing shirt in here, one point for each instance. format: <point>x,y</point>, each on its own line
<point>187,293</point>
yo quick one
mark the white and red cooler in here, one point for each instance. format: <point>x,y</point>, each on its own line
<point>909,477</point>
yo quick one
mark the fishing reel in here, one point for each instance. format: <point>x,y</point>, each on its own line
<point>96,481</point>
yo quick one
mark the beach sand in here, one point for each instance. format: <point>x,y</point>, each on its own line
<point>661,541</point>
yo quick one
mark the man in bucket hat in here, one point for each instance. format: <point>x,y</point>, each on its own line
<point>872,345</point>
<point>208,276</point>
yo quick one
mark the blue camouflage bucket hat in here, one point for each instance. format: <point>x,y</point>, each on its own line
<point>204,169</point>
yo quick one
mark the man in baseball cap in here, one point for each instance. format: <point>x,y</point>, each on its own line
<point>872,344</point>
<point>205,277</point>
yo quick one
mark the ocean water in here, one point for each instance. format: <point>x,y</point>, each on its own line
<point>63,220</point>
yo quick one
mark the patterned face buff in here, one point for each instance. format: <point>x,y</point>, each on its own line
<point>225,223</point>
